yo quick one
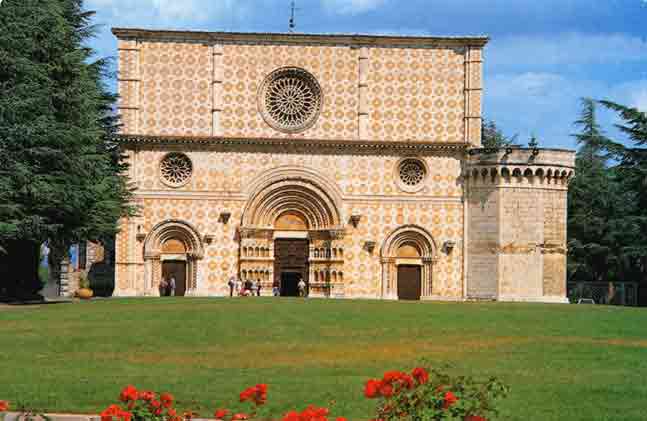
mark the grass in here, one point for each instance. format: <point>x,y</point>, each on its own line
<point>563,362</point>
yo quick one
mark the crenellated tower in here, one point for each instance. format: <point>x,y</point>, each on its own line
<point>516,223</point>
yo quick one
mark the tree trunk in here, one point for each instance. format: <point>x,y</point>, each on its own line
<point>19,270</point>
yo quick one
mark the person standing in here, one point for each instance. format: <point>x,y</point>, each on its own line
<point>163,287</point>
<point>302,288</point>
<point>276,291</point>
<point>171,286</point>
<point>239,286</point>
<point>258,287</point>
<point>232,285</point>
<point>252,288</point>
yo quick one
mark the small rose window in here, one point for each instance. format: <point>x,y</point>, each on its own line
<point>176,169</point>
<point>412,172</point>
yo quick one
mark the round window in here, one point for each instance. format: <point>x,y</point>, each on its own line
<point>176,169</point>
<point>411,174</point>
<point>290,100</point>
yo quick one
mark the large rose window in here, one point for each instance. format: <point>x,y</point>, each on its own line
<point>290,100</point>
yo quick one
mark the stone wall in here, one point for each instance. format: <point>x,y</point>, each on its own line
<point>223,183</point>
<point>517,223</point>
<point>193,84</point>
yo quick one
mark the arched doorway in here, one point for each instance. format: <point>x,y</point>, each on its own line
<point>171,250</point>
<point>292,212</point>
<point>174,266</point>
<point>407,257</point>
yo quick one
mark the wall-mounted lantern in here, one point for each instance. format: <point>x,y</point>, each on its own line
<point>224,217</point>
<point>354,219</point>
<point>209,239</point>
<point>449,246</point>
<point>369,246</point>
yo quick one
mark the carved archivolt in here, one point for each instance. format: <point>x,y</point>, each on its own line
<point>293,191</point>
<point>177,232</point>
<point>407,236</point>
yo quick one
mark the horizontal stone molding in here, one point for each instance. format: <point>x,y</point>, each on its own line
<point>352,40</point>
<point>306,145</point>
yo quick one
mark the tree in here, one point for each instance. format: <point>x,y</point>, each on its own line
<point>61,179</point>
<point>592,203</point>
<point>493,138</point>
<point>632,173</point>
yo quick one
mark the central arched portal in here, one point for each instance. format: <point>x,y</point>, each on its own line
<point>290,228</point>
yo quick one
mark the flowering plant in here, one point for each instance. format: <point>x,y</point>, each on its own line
<point>429,396</point>
<point>143,406</point>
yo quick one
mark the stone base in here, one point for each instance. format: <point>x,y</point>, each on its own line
<point>545,299</point>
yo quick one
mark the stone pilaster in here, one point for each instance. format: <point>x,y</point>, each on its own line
<point>363,118</point>
<point>218,76</point>
<point>129,85</point>
<point>473,93</point>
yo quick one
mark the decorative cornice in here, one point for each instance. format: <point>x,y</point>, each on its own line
<point>359,40</point>
<point>288,142</point>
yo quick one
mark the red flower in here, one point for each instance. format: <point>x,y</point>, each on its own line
<point>155,404</point>
<point>450,399</point>
<point>4,406</point>
<point>474,418</point>
<point>257,393</point>
<point>372,388</point>
<point>171,412</point>
<point>386,390</point>
<point>221,413</point>
<point>129,393</point>
<point>115,411</point>
<point>167,399</point>
<point>341,419</point>
<point>292,416</point>
<point>146,395</point>
<point>421,375</point>
<point>238,417</point>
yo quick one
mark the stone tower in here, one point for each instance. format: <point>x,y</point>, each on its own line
<point>516,223</point>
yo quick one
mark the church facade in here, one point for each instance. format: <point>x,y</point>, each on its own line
<point>351,162</point>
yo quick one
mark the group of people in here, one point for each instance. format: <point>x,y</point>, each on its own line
<point>253,288</point>
<point>245,289</point>
<point>167,287</point>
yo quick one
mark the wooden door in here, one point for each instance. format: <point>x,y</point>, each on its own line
<point>290,261</point>
<point>409,282</point>
<point>177,269</point>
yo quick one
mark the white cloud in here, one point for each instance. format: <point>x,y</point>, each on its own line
<point>351,7</point>
<point>547,104</point>
<point>171,13</point>
<point>566,49</point>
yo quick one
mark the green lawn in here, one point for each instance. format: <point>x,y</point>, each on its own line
<point>563,362</point>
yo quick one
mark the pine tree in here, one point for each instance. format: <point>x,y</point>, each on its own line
<point>592,203</point>
<point>632,173</point>
<point>61,179</point>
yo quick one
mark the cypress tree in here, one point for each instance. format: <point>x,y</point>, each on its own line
<point>61,179</point>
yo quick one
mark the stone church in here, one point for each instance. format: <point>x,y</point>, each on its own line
<point>352,162</point>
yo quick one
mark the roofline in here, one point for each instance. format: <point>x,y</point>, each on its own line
<point>293,38</point>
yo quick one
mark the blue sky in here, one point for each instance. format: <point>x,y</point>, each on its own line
<point>543,57</point>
